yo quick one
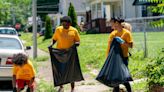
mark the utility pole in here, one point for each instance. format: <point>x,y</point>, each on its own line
<point>13,13</point>
<point>13,16</point>
<point>124,9</point>
<point>34,13</point>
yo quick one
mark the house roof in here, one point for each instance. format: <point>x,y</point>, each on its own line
<point>145,2</point>
<point>47,6</point>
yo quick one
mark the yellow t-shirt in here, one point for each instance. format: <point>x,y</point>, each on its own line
<point>25,72</point>
<point>66,37</point>
<point>125,35</point>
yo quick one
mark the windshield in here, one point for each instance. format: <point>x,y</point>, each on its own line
<point>8,31</point>
<point>9,43</point>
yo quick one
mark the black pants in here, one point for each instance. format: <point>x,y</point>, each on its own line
<point>127,84</point>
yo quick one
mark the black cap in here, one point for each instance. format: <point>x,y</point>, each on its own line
<point>66,19</point>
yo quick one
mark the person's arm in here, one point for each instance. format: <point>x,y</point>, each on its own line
<point>77,38</point>
<point>130,45</point>
<point>54,38</point>
<point>14,83</point>
<point>110,39</point>
<point>33,73</point>
<point>14,77</point>
<point>52,43</point>
<point>129,40</point>
<point>32,81</point>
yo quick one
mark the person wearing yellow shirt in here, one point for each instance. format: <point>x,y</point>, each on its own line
<point>125,38</point>
<point>23,73</point>
<point>65,36</point>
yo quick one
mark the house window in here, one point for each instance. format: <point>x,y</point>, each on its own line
<point>144,11</point>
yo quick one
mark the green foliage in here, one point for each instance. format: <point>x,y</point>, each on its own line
<point>158,23</point>
<point>92,31</point>
<point>43,86</point>
<point>157,9</point>
<point>155,71</point>
<point>42,58</point>
<point>72,14</point>
<point>140,86</point>
<point>27,38</point>
<point>18,9</point>
<point>48,31</point>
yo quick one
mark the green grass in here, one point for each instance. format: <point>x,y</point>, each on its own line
<point>93,47</point>
<point>42,58</point>
<point>140,87</point>
<point>43,86</point>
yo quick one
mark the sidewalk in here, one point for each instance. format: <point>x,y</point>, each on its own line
<point>88,85</point>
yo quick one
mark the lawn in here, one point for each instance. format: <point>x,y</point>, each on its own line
<point>93,47</point>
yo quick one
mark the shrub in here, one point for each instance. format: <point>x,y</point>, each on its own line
<point>72,14</point>
<point>155,71</point>
<point>48,31</point>
<point>92,31</point>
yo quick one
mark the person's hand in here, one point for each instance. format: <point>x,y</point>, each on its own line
<point>28,89</point>
<point>14,89</point>
<point>50,46</point>
<point>119,39</point>
<point>77,44</point>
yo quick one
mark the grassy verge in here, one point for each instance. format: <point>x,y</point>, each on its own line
<point>140,87</point>
<point>41,85</point>
<point>93,47</point>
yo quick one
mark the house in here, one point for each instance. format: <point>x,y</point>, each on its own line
<point>58,8</point>
<point>126,9</point>
<point>113,8</point>
<point>79,5</point>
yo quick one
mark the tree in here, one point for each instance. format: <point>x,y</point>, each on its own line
<point>159,8</point>
<point>18,10</point>
<point>48,31</point>
<point>72,14</point>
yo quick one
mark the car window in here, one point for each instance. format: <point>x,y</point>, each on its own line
<point>9,43</point>
<point>8,31</point>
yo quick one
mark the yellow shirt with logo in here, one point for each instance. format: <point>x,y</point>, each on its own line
<point>125,35</point>
<point>66,37</point>
<point>25,72</point>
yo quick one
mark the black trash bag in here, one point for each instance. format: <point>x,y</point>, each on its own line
<point>65,66</point>
<point>114,71</point>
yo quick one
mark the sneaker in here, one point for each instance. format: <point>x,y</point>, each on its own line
<point>61,90</point>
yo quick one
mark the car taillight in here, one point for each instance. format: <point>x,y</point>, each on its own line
<point>9,61</point>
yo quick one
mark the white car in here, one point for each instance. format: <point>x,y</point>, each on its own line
<point>9,45</point>
<point>8,31</point>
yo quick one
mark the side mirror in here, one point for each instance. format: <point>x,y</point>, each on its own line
<point>19,34</point>
<point>28,47</point>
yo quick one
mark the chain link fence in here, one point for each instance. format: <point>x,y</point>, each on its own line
<point>144,27</point>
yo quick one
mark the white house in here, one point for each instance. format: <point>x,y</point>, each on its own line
<point>113,8</point>
<point>79,5</point>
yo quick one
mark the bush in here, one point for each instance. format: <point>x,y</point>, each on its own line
<point>155,71</point>
<point>73,15</point>
<point>92,31</point>
<point>48,31</point>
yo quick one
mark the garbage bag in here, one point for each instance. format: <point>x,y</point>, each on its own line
<point>114,71</point>
<point>65,65</point>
